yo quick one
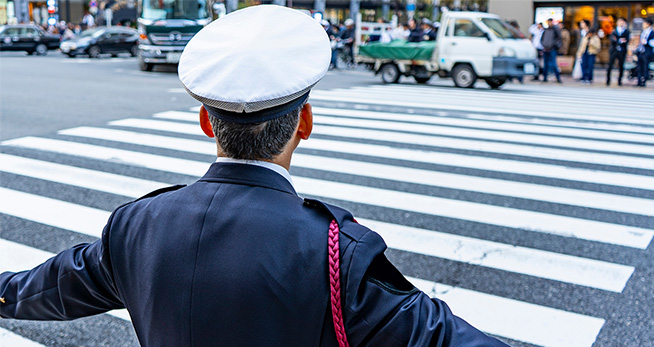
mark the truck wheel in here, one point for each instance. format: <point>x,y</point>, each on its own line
<point>495,83</point>
<point>464,76</point>
<point>94,52</point>
<point>390,73</point>
<point>422,80</point>
<point>41,49</point>
<point>145,66</point>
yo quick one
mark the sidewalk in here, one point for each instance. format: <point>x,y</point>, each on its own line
<point>599,80</point>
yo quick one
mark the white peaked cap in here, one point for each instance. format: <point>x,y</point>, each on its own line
<point>255,64</point>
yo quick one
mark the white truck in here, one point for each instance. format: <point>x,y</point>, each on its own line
<point>468,46</point>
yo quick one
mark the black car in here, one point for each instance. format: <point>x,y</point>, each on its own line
<point>28,38</point>
<point>96,41</point>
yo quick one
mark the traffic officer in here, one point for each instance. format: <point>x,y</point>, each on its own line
<point>237,258</point>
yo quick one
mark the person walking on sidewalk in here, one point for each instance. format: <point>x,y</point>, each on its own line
<point>618,51</point>
<point>536,31</point>
<point>645,51</point>
<point>551,42</point>
<point>588,49</point>
<point>565,39</point>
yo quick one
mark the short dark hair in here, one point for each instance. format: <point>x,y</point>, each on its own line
<point>649,21</point>
<point>255,141</point>
<point>622,18</point>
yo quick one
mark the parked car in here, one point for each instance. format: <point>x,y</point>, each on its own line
<point>27,37</point>
<point>96,41</point>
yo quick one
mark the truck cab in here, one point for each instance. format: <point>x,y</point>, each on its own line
<point>166,26</point>
<point>475,44</point>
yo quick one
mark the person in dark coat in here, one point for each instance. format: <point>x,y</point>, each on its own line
<point>415,33</point>
<point>618,51</point>
<point>645,51</point>
<point>238,258</point>
<point>428,32</point>
<point>551,41</point>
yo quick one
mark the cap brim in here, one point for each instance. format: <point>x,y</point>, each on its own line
<point>257,116</point>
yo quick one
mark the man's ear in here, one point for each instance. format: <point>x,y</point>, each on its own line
<point>205,124</point>
<point>305,125</point>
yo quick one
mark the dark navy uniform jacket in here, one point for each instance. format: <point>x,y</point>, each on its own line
<point>235,259</point>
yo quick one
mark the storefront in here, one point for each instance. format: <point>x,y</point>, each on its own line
<point>602,16</point>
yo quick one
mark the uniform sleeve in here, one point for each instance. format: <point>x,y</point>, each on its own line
<point>75,283</point>
<point>383,309</point>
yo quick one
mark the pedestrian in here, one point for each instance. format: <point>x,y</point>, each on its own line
<point>415,33</point>
<point>536,31</point>
<point>588,49</point>
<point>565,39</point>
<point>428,32</point>
<point>551,42</point>
<point>618,51</point>
<point>401,32</point>
<point>645,51</point>
<point>237,258</point>
<point>88,21</point>
<point>346,38</point>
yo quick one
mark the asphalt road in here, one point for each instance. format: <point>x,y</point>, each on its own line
<point>542,191</point>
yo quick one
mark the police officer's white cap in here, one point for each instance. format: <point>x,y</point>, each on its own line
<point>255,64</point>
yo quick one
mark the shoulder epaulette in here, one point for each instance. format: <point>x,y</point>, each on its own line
<point>346,222</point>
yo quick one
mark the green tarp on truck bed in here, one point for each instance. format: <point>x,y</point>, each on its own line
<point>399,50</point>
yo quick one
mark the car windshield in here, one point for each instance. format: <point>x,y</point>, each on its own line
<point>92,32</point>
<point>500,29</point>
<point>174,9</point>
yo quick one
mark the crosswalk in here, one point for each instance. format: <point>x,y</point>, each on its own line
<point>471,194</point>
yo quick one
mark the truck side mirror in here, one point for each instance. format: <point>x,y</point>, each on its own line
<point>487,36</point>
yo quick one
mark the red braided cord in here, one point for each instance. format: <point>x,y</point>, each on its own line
<point>335,284</point>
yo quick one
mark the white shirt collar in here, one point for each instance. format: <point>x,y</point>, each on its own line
<point>268,165</point>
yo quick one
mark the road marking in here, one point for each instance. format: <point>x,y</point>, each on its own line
<point>427,140</point>
<point>472,162</point>
<point>565,268</point>
<point>401,174</point>
<point>484,163</point>
<point>488,135</point>
<point>517,320</point>
<point>57,213</point>
<point>561,122</point>
<point>367,99</point>
<point>521,260</point>
<point>9,339</point>
<point>494,215</point>
<point>487,146</point>
<point>16,257</point>
<point>560,130</point>
<point>91,179</point>
<point>176,90</point>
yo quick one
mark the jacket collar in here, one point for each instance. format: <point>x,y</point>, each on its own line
<point>246,174</point>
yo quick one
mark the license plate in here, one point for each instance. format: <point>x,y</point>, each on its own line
<point>529,69</point>
<point>173,57</point>
<point>65,49</point>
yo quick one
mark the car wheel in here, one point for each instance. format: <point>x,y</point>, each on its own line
<point>94,52</point>
<point>495,83</point>
<point>41,49</point>
<point>464,76</point>
<point>390,73</point>
<point>134,50</point>
<point>422,80</point>
<point>70,55</point>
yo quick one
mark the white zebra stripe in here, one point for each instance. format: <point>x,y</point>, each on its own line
<point>495,215</point>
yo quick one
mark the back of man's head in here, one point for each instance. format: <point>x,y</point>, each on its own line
<point>252,70</point>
